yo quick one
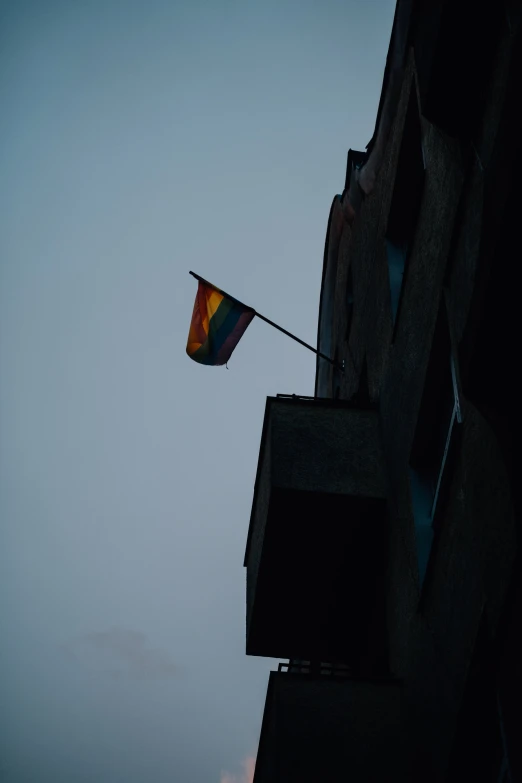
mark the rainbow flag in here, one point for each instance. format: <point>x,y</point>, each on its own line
<point>218,323</point>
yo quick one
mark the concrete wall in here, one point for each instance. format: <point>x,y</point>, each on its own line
<point>326,449</point>
<point>319,729</point>
<point>433,627</point>
<point>312,447</point>
<point>457,257</point>
<point>316,551</point>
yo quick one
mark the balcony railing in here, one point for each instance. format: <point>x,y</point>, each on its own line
<point>318,535</point>
<point>329,729</point>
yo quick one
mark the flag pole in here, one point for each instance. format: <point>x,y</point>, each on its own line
<point>271,323</point>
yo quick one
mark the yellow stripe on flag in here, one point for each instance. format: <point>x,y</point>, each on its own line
<point>213,302</point>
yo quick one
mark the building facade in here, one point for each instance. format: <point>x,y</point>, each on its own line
<point>383,555</point>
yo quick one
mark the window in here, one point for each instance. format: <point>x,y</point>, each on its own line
<point>355,161</point>
<point>396,257</point>
<point>407,194</point>
<point>434,442</point>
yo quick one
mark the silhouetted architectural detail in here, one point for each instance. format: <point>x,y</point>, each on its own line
<point>384,554</point>
<point>313,727</point>
<point>316,554</point>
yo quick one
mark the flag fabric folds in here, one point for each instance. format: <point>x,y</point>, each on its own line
<point>218,323</point>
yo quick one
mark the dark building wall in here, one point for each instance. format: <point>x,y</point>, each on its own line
<point>328,729</point>
<point>420,299</point>
<point>325,339</point>
<point>458,272</point>
<point>316,552</point>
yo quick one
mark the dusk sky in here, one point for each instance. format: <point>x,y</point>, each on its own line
<point>139,140</point>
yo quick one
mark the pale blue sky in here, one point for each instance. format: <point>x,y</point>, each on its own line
<point>139,140</point>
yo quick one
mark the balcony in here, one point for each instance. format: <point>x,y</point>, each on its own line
<point>330,729</point>
<point>316,551</point>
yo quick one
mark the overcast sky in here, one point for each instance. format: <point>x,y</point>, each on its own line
<point>139,140</point>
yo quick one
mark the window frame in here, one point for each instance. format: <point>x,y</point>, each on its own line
<point>419,483</point>
<point>409,177</point>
